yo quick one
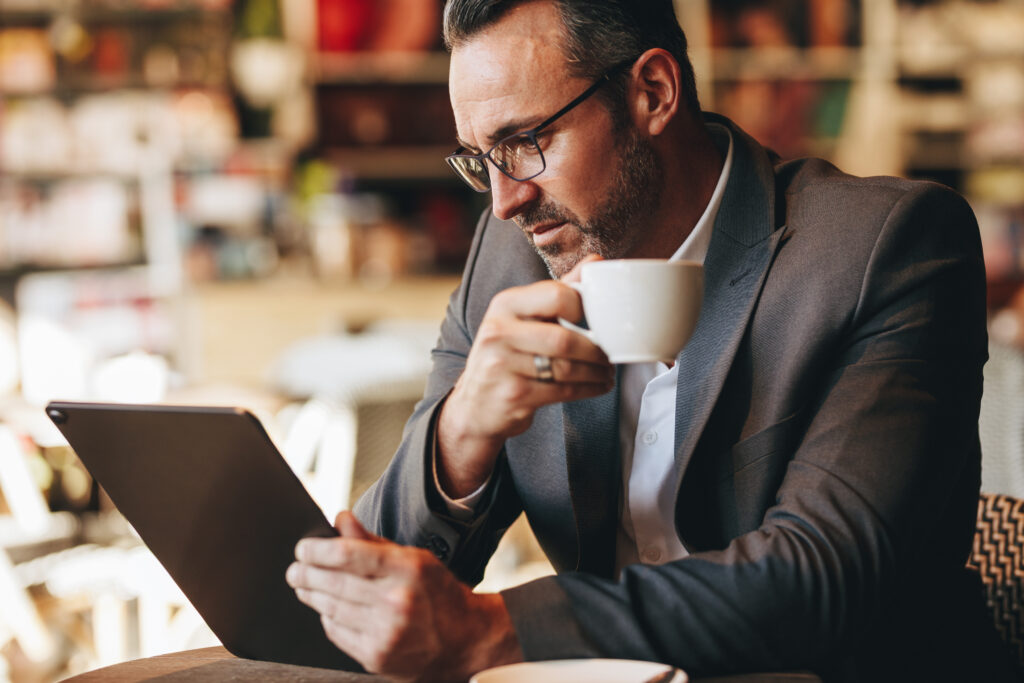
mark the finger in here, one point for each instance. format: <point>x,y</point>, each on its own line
<point>367,649</point>
<point>349,587</point>
<point>357,556</point>
<point>565,370</point>
<point>378,642</point>
<point>359,645</point>
<point>574,274</point>
<point>545,300</point>
<point>550,339</point>
<point>349,527</point>
<point>560,392</point>
<point>359,616</point>
<point>370,559</point>
<point>526,394</point>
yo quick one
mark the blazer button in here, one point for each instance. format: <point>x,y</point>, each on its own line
<point>438,546</point>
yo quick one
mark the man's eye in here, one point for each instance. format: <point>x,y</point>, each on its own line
<point>543,140</point>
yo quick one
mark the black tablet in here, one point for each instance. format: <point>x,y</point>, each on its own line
<point>217,504</point>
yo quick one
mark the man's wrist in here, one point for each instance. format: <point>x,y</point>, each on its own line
<point>464,461</point>
<point>494,641</point>
<point>463,508</point>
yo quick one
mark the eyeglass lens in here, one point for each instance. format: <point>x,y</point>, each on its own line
<point>517,156</point>
<point>472,171</point>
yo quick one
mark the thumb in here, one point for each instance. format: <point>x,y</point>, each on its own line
<point>574,274</point>
<point>349,527</point>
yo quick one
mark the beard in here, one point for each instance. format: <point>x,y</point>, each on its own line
<point>618,222</point>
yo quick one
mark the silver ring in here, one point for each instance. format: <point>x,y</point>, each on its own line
<point>543,366</point>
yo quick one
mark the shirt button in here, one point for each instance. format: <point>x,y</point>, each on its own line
<point>438,546</point>
<point>650,437</point>
<point>652,554</point>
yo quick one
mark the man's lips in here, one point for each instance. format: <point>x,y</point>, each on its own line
<point>547,233</point>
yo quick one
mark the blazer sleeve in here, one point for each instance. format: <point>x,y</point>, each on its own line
<point>403,504</point>
<point>888,443</point>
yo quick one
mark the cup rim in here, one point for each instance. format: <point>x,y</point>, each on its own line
<point>626,262</point>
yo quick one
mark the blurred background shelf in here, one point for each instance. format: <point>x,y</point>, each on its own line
<point>786,63</point>
<point>395,163</point>
<point>393,68</point>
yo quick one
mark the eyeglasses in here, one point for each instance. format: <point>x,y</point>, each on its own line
<point>518,156</point>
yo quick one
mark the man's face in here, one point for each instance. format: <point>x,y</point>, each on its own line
<point>600,185</point>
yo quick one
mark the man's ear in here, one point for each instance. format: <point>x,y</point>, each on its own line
<point>655,90</point>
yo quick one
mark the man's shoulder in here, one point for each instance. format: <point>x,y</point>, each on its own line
<point>815,192</point>
<point>817,180</point>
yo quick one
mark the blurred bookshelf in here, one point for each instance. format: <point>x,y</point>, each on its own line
<point>920,89</point>
<point>422,67</point>
<point>786,62</point>
<point>928,90</point>
<point>960,71</point>
<point>99,102</point>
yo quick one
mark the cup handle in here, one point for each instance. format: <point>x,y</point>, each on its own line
<point>572,326</point>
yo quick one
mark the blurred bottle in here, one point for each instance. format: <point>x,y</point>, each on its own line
<point>405,25</point>
<point>343,25</point>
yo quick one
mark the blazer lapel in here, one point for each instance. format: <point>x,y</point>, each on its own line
<point>742,246</point>
<point>591,429</point>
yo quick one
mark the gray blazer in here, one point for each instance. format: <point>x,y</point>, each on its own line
<point>826,426</point>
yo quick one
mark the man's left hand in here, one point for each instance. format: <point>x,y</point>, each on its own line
<point>397,610</point>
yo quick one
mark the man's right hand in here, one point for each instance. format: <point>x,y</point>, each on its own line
<point>498,392</point>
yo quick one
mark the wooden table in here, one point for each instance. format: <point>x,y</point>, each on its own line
<point>215,664</point>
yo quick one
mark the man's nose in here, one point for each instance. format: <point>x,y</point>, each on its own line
<point>510,197</point>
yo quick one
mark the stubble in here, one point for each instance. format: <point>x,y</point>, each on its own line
<point>617,224</point>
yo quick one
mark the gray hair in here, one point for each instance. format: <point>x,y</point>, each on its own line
<point>599,34</point>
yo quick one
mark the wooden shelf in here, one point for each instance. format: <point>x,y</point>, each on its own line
<point>53,175</point>
<point>16,271</point>
<point>380,67</point>
<point>391,163</point>
<point>953,62</point>
<point>728,64</point>
<point>735,64</point>
<point>41,13</point>
<point>94,84</point>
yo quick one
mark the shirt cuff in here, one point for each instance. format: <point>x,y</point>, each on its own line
<point>462,509</point>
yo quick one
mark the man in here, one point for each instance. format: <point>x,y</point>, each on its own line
<point>800,492</point>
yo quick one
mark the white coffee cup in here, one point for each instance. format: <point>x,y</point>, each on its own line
<point>640,310</point>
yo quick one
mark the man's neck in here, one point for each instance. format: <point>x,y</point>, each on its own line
<point>691,165</point>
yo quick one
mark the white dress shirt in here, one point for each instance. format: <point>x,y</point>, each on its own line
<point>647,424</point>
<point>647,407</point>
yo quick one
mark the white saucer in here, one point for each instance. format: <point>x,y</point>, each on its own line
<point>574,670</point>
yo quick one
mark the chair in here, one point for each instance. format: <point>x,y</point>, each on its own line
<point>29,528</point>
<point>134,606</point>
<point>358,390</point>
<point>998,556</point>
<point>1001,423</point>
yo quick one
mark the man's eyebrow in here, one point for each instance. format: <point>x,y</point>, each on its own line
<point>511,128</point>
<point>465,145</point>
<point>503,132</point>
